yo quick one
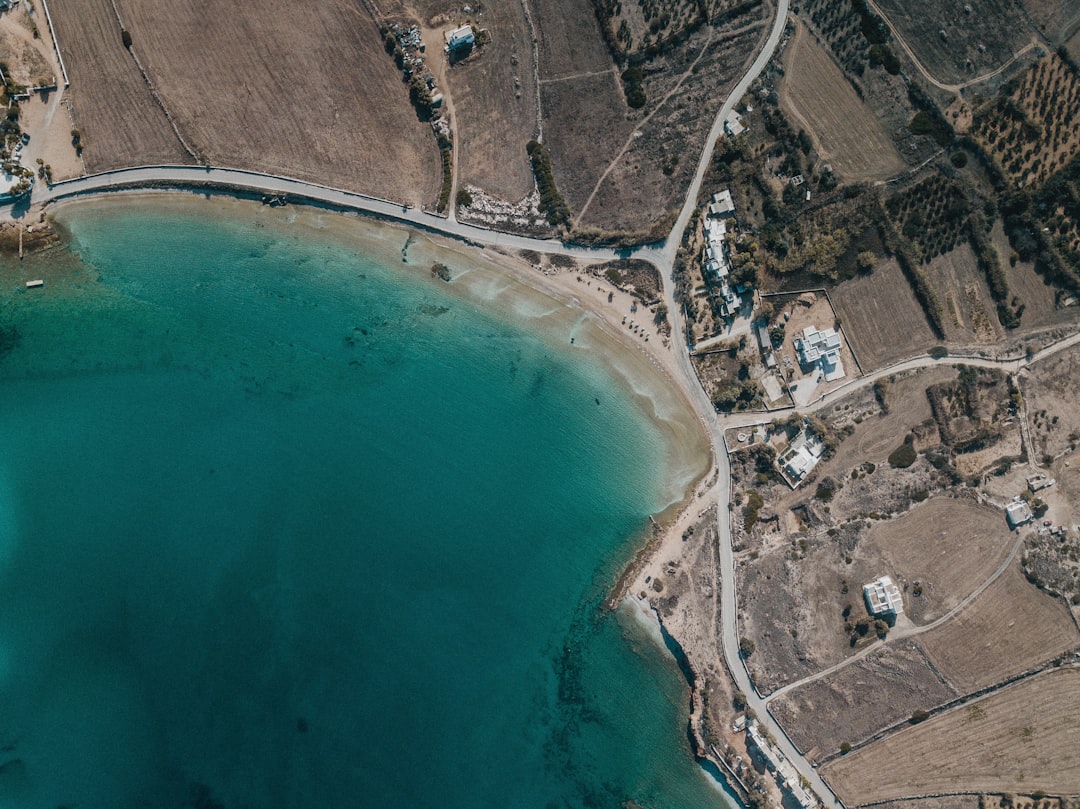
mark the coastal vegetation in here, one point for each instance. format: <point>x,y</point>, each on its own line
<point>551,204</point>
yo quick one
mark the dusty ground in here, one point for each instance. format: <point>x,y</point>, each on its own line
<point>1050,391</point>
<point>882,317</point>
<point>23,53</point>
<point>494,97</point>
<point>120,121</point>
<point>272,86</point>
<point>1010,628</point>
<point>886,686</point>
<point>1019,739</point>
<point>956,55</point>
<point>949,546</point>
<point>949,802</point>
<point>818,97</point>
<point>1054,18</point>
<point>970,316</point>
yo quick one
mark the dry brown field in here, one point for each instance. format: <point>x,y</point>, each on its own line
<point>970,315</point>
<point>1011,627</point>
<point>25,64</point>
<point>881,316</point>
<point>1055,18</point>
<point>1039,297</point>
<point>1073,45</point>
<point>885,687</point>
<point>975,42</point>
<point>304,91</point>
<point>946,802</point>
<point>494,96</point>
<point>651,168</point>
<point>949,546</point>
<point>1050,389</point>
<point>818,97</point>
<point>120,122</point>
<point>1019,739</point>
<point>1031,132</point>
<point>878,434</point>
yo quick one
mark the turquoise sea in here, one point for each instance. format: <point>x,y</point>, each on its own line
<point>284,523</point>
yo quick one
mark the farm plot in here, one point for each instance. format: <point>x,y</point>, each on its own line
<point>1030,131</point>
<point>881,316</point>
<point>121,123</point>
<point>970,315</point>
<point>1018,739</point>
<point>1010,628</point>
<point>818,97</point>
<point>305,91</point>
<point>494,98</point>
<point>957,40</point>
<point>948,546</point>
<point>885,687</point>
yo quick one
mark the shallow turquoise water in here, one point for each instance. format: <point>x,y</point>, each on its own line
<point>282,527</point>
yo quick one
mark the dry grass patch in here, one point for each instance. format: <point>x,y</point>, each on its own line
<point>1030,130</point>
<point>1010,628</point>
<point>881,316</point>
<point>305,91</point>
<point>970,314</point>
<point>1019,739</point>
<point>958,40</point>
<point>817,95</point>
<point>121,123</point>
<point>949,546</point>
<point>885,687</point>
<point>494,96</point>
<point>1051,391</point>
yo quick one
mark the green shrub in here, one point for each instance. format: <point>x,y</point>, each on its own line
<point>746,647</point>
<point>903,456</point>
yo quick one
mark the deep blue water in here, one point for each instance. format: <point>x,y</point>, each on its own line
<point>285,526</point>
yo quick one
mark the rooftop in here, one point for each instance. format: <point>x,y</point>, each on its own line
<point>883,597</point>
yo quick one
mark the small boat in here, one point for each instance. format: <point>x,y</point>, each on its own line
<point>32,284</point>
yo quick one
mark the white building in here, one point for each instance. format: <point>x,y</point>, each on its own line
<point>722,204</point>
<point>460,39</point>
<point>733,124</point>
<point>883,597</point>
<point>800,457</point>
<point>1017,513</point>
<point>821,348</point>
<point>716,262</point>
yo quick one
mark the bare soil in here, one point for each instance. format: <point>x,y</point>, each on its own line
<point>1040,298</point>
<point>268,85</point>
<point>885,687</point>
<point>121,122</point>
<point>1018,739</point>
<point>1010,628</point>
<point>949,546</point>
<point>955,43</point>
<point>1050,389</point>
<point>970,315</point>
<point>881,316</point>
<point>817,96</point>
<point>494,95</point>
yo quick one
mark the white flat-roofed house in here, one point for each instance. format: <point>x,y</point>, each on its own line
<point>1017,513</point>
<point>883,597</point>
<point>733,124</point>
<point>460,39</point>
<point>722,204</point>
<point>821,348</point>
<point>800,457</point>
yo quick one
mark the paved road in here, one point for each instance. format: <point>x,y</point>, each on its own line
<point>164,176</point>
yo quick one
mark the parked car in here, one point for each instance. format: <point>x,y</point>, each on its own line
<point>25,139</point>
